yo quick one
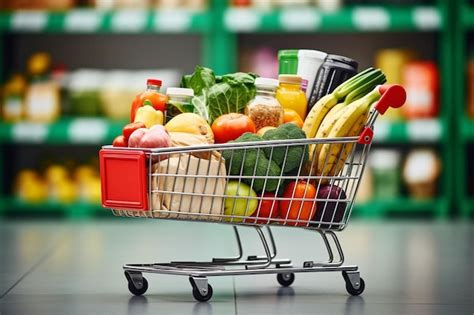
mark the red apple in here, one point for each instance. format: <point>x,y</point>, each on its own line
<point>268,207</point>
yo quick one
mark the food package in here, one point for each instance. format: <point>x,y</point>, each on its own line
<point>186,185</point>
<point>421,172</point>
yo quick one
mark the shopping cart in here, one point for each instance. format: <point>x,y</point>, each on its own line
<point>193,183</point>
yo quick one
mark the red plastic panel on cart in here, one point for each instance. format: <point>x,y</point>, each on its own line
<point>123,179</point>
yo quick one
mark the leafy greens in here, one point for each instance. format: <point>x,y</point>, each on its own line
<point>218,95</point>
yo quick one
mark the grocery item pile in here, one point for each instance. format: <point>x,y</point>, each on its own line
<point>232,147</point>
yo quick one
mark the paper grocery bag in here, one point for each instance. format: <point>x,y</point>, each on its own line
<point>185,187</point>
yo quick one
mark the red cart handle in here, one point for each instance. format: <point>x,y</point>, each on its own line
<point>393,95</point>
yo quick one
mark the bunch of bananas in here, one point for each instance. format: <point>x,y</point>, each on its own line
<point>342,113</point>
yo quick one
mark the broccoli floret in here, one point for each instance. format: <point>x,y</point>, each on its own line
<point>252,161</point>
<point>295,153</point>
<point>234,158</point>
<point>262,167</point>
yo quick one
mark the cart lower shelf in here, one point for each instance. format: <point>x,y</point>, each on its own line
<point>198,272</point>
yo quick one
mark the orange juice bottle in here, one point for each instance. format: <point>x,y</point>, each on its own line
<point>290,95</point>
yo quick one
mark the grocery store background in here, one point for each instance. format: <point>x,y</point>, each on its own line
<point>100,53</point>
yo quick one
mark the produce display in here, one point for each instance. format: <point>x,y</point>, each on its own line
<point>240,172</point>
<point>48,90</point>
<point>58,184</point>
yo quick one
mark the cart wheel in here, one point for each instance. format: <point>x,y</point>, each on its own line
<point>286,279</point>
<point>353,291</point>
<point>138,291</point>
<point>199,295</point>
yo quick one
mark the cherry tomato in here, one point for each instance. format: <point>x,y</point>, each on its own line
<point>120,141</point>
<point>267,208</point>
<point>152,98</point>
<point>231,126</point>
<point>291,116</point>
<point>301,210</point>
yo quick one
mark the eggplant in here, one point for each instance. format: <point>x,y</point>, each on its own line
<point>333,210</point>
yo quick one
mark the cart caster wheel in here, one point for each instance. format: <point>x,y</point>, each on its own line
<point>199,296</point>
<point>138,291</point>
<point>353,291</point>
<point>286,279</point>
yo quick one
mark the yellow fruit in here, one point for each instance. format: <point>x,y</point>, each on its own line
<point>66,192</point>
<point>39,63</point>
<point>191,123</point>
<point>55,174</point>
<point>261,131</point>
<point>330,152</point>
<point>33,191</point>
<point>317,113</point>
<point>84,172</point>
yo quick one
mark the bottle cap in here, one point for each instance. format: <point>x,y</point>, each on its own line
<point>314,54</point>
<point>179,91</point>
<point>289,79</point>
<point>268,82</point>
<point>153,82</point>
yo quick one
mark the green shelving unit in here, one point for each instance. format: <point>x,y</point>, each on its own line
<point>377,208</point>
<point>93,21</point>
<point>76,210</point>
<point>465,128</point>
<point>64,131</point>
<point>348,19</point>
<point>219,28</point>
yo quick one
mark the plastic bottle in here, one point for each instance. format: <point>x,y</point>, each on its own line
<point>288,61</point>
<point>42,99</point>
<point>151,96</point>
<point>290,95</point>
<point>309,62</point>
<point>335,70</point>
<point>264,109</point>
<point>13,103</point>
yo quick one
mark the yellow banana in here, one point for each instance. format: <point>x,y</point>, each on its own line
<point>355,131</point>
<point>317,113</point>
<point>326,125</point>
<point>330,152</point>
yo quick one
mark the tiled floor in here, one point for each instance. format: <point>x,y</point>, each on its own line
<point>75,268</point>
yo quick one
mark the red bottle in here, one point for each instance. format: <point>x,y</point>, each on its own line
<point>151,97</point>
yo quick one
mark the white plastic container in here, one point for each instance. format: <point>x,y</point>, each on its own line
<point>309,62</point>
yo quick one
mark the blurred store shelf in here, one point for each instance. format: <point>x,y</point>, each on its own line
<point>349,19</point>
<point>468,17</point>
<point>64,131</point>
<point>117,21</point>
<point>16,207</point>
<point>467,129</point>
<point>426,131</point>
<point>404,205</point>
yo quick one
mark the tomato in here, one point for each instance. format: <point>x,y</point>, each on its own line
<point>231,126</point>
<point>152,98</point>
<point>291,116</point>
<point>267,208</point>
<point>130,128</point>
<point>120,141</point>
<point>302,210</point>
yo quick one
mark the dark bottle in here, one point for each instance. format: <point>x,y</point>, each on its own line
<point>335,70</point>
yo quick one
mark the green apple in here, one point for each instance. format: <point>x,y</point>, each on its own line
<point>239,206</point>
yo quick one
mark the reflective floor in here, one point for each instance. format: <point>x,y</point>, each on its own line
<point>75,268</point>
